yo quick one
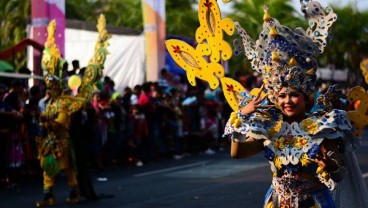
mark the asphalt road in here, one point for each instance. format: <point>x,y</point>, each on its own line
<point>203,181</point>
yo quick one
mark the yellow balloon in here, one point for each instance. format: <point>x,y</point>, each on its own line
<point>74,82</point>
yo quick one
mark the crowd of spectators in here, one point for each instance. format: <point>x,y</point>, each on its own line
<point>168,119</point>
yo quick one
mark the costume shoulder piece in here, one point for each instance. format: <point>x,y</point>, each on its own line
<point>330,120</point>
<point>330,125</point>
<point>70,104</point>
<point>259,125</point>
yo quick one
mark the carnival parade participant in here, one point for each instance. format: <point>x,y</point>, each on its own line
<point>306,150</point>
<point>311,154</point>
<point>55,148</point>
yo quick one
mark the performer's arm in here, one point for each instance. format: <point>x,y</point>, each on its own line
<point>246,148</point>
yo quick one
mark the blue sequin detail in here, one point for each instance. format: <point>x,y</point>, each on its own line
<point>313,151</point>
<point>269,154</point>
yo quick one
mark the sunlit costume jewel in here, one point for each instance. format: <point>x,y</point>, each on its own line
<point>54,147</point>
<point>284,57</point>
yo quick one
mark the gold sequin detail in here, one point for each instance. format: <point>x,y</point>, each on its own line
<point>304,159</point>
<point>275,129</point>
<point>309,126</point>
<point>277,162</point>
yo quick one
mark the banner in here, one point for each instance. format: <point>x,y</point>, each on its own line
<point>43,11</point>
<point>154,30</point>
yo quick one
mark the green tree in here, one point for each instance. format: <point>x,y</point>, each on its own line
<point>123,13</point>
<point>14,17</point>
<point>181,17</point>
<point>249,13</point>
<point>349,43</point>
<point>128,14</point>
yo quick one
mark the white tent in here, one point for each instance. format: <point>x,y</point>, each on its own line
<point>333,74</point>
<point>126,62</point>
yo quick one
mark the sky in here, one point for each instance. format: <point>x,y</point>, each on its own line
<point>360,4</point>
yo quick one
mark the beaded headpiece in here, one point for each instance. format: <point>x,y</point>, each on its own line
<point>285,57</point>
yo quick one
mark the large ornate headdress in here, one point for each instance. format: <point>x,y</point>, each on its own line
<point>283,56</point>
<point>52,61</point>
<point>286,57</point>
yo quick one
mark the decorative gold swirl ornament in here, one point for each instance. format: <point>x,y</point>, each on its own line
<point>231,90</point>
<point>193,62</point>
<point>209,35</point>
<point>211,30</point>
<point>359,116</point>
<point>364,69</point>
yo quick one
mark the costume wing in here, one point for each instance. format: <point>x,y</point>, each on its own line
<point>95,66</point>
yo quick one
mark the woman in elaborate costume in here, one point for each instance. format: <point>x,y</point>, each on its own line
<point>310,153</point>
<point>307,150</point>
<point>55,149</point>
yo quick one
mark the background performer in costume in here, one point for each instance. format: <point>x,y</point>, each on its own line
<point>55,148</point>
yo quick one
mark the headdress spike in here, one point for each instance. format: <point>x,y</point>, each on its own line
<point>266,15</point>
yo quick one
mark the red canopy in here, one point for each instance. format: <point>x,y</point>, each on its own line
<point>10,52</point>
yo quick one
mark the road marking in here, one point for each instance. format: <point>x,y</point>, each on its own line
<point>216,170</point>
<point>365,175</point>
<point>170,169</point>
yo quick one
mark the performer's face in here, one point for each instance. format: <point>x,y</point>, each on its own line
<point>54,90</point>
<point>292,103</point>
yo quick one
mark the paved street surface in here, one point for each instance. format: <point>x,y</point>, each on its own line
<point>203,181</point>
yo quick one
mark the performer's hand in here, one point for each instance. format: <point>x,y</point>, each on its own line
<point>324,161</point>
<point>254,104</point>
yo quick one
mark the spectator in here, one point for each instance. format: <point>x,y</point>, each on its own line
<point>139,141</point>
<point>75,69</point>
